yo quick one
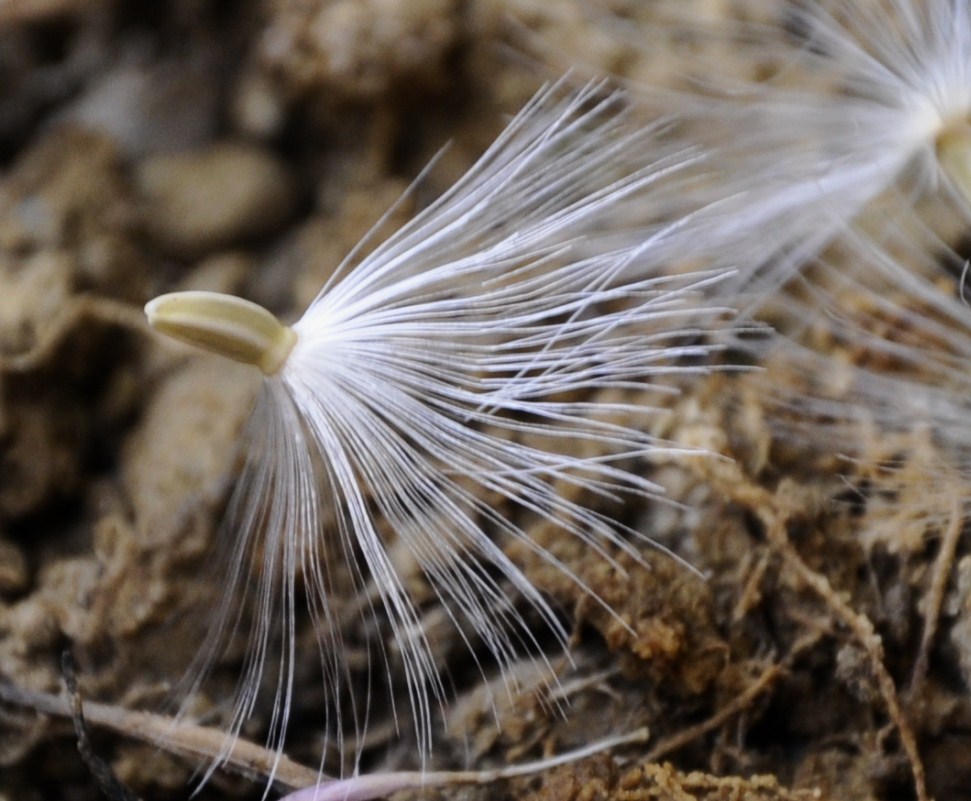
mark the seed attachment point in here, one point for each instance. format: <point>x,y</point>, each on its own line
<point>232,327</point>
<point>954,156</point>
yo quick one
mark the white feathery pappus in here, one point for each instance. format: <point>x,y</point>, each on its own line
<point>861,99</point>
<point>421,380</point>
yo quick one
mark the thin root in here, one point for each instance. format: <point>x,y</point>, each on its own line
<point>774,515</point>
<point>862,629</point>
<point>113,788</point>
<point>739,704</point>
<point>934,599</point>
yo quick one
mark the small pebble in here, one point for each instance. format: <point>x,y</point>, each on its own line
<point>13,569</point>
<point>226,194</point>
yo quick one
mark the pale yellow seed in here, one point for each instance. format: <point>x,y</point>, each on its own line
<point>954,156</point>
<point>232,327</point>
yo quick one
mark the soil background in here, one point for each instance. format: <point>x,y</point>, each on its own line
<point>247,147</point>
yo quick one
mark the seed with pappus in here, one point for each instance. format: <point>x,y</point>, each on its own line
<point>866,97</point>
<point>458,361</point>
<point>860,142</point>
